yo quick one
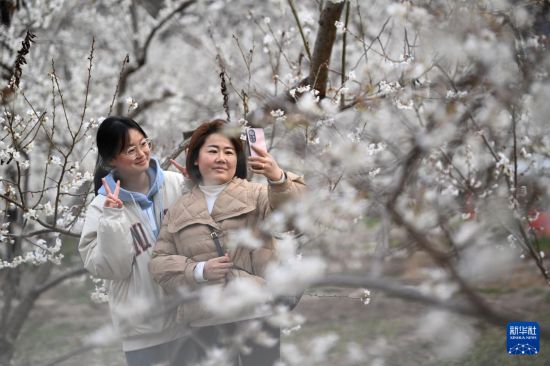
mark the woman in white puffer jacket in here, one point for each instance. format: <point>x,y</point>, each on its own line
<point>121,226</point>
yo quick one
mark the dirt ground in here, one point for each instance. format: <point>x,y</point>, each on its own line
<point>388,331</point>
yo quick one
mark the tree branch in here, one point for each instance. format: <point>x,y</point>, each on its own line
<point>304,40</point>
<point>146,104</point>
<point>142,57</point>
<point>407,293</point>
<point>56,281</point>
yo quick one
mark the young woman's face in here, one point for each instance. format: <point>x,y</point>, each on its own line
<point>134,158</point>
<point>217,160</point>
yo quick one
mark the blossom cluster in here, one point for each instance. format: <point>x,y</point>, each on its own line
<point>37,256</point>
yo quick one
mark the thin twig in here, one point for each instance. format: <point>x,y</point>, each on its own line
<point>536,257</point>
<point>20,60</point>
<point>515,151</point>
<point>124,62</point>
<point>299,24</point>
<point>61,98</point>
<point>87,92</point>
<point>344,37</point>
<point>223,87</point>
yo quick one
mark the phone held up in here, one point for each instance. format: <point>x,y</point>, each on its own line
<point>256,137</point>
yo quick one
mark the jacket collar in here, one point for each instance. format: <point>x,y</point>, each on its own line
<point>236,199</point>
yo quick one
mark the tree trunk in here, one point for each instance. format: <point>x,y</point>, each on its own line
<point>320,60</point>
<point>318,74</point>
<point>19,315</point>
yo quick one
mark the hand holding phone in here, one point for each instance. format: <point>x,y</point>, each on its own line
<point>260,161</point>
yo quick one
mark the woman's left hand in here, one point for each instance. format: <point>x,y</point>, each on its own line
<point>265,164</point>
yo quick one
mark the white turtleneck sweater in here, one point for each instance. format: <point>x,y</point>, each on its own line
<point>211,193</point>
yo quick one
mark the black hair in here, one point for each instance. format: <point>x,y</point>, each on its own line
<point>111,139</point>
<point>197,140</point>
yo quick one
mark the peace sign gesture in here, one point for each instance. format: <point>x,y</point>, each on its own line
<point>181,168</point>
<point>112,200</point>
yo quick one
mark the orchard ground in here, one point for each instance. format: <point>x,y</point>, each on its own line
<point>387,331</point>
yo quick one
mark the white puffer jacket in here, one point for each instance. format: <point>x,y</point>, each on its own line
<point>116,245</point>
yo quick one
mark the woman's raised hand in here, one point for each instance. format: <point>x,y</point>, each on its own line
<point>181,168</point>
<point>265,164</point>
<point>112,200</point>
<point>217,268</point>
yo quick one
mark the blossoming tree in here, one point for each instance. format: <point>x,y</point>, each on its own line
<point>421,128</point>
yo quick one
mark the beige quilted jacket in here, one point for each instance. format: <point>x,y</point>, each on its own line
<point>185,238</point>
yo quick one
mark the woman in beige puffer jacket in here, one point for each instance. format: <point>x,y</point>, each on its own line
<point>222,200</point>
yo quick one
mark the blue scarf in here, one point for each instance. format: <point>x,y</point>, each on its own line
<point>156,178</point>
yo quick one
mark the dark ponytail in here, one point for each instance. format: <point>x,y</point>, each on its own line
<point>111,139</point>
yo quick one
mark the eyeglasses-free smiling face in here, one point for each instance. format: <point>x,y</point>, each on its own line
<point>134,159</point>
<point>217,160</point>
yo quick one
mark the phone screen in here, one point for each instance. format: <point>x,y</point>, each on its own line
<point>256,137</point>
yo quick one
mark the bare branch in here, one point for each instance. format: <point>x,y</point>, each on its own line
<point>304,40</point>
<point>148,103</point>
<point>344,38</point>
<point>223,87</point>
<point>20,60</point>
<point>405,292</point>
<point>87,92</point>
<point>58,280</point>
<point>142,57</point>
<point>124,62</point>
<point>61,98</point>
<point>174,154</point>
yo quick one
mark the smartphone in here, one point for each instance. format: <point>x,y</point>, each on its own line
<point>256,137</point>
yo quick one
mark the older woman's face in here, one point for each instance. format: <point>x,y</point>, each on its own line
<point>217,160</point>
